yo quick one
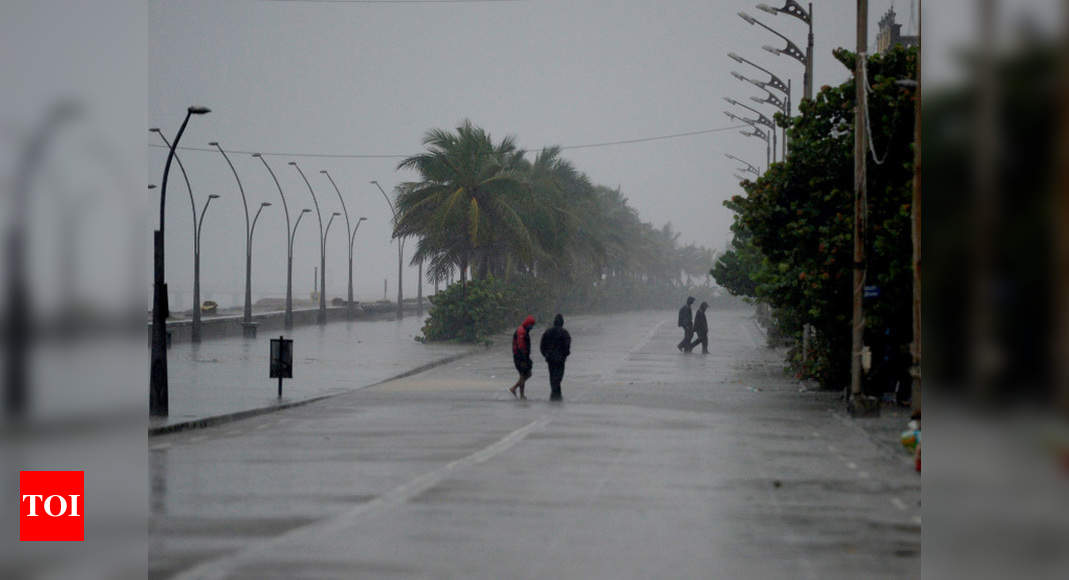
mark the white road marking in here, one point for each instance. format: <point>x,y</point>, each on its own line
<point>851,465</point>
<point>332,527</point>
<point>160,447</point>
<point>264,426</point>
<point>901,505</point>
<point>196,439</point>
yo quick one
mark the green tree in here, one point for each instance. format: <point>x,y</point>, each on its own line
<point>799,216</point>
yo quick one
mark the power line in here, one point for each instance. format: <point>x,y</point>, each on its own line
<point>400,156</point>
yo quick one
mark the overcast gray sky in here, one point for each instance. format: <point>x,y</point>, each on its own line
<point>370,79</point>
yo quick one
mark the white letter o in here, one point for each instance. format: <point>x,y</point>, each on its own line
<point>62,501</point>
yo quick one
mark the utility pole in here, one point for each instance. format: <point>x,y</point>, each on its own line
<point>1060,352</point>
<point>860,176</point>
<point>984,352</point>
<point>915,208</point>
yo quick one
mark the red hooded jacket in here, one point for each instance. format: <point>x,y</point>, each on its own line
<point>521,340</point>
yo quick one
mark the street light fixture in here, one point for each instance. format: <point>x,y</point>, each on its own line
<point>348,237</point>
<point>749,167</point>
<point>783,104</point>
<point>352,253</point>
<point>198,228</point>
<point>794,8</point>
<point>791,49</point>
<point>400,250</point>
<point>195,329</point>
<point>293,233</point>
<point>756,133</point>
<point>158,401</point>
<point>288,317</point>
<point>762,119</point>
<point>321,317</point>
<point>247,325</point>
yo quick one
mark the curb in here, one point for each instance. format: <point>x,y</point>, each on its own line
<point>238,415</point>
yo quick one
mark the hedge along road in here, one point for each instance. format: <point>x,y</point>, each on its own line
<point>657,464</point>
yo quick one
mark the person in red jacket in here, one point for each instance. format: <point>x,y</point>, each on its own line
<point>521,355</point>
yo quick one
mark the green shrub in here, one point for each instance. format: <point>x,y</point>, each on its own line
<point>472,313</point>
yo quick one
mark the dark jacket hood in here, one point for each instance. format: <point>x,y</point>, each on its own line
<point>558,320</point>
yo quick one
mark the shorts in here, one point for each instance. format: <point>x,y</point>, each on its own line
<point>523,365</point>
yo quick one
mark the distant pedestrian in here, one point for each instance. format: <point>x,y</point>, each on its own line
<point>521,355</point>
<point>701,329</point>
<point>686,322</point>
<point>555,347</point>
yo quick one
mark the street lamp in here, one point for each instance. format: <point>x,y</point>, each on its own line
<point>790,50</point>
<point>756,132</point>
<point>195,329</point>
<point>774,82</point>
<point>247,325</point>
<point>761,118</point>
<point>293,235</point>
<point>198,227</point>
<point>793,8</point>
<point>352,252</point>
<point>764,135</point>
<point>400,250</point>
<point>348,237</point>
<point>748,167</point>
<point>158,403</point>
<point>288,317</point>
<point>321,317</point>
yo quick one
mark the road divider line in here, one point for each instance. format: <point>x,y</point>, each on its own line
<point>331,527</point>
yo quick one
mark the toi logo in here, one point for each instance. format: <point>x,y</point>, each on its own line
<point>51,506</point>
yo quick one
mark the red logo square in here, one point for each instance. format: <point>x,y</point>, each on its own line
<point>52,506</point>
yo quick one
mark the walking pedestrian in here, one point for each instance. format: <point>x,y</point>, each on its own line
<point>555,347</point>
<point>686,322</point>
<point>521,355</point>
<point>701,329</point>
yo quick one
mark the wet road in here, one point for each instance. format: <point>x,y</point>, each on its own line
<point>658,464</point>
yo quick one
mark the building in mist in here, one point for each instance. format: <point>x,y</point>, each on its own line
<point>890,34</point>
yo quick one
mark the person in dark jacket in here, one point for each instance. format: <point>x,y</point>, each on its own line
<point>687,324</point>
<point>555,347</point>
<point>701,329</point>
<point>521,355</point>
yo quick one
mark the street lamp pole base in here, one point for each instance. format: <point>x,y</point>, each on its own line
<point>248,329</point>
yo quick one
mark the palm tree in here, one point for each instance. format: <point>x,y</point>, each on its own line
<point>465,208</point>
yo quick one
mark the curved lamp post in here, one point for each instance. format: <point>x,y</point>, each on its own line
<point>774,82</point>
<point>761,118</point>
<point>352,252</point>
<point>756,133</point>
<point>348,237</point>
<point>158,403</point>
<point>288,317</point>
<point>400,251</point>
<point>198,228</point>
<point>194,335</point>
<point>247,325</point>
<point>293,233</point>
<point>794,8</point>
<point>783,104</point>
<point>321,317</point>
<point>790,50</point>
